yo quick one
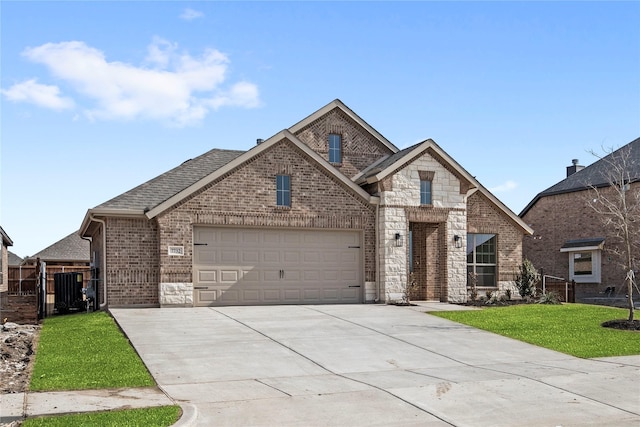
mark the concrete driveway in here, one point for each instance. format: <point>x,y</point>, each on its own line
<point>370,365</point>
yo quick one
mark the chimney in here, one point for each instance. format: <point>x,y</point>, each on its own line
<point>575,167</point>
<point>259,141</point>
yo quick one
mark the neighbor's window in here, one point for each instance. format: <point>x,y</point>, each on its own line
<point>481,258</point>
<point>283,190</point>
<point>425,192</point>
<point>584,266</point>
<point>335,148</point>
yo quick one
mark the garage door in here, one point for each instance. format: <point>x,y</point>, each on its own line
<point>256,266</point>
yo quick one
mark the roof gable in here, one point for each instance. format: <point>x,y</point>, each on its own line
<point>246,157</point>
<point>337,104</point>
<point>400,159</point>
<point>70,248</point>
<point>594,175</point>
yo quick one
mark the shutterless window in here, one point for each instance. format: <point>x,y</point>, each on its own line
<point>582,264</point>
<point>425,192</point>
<point>283,190</point>
<point>335,148</point>
<point>481,258</point>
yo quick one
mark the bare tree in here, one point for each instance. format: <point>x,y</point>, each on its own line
<point>617,201</point>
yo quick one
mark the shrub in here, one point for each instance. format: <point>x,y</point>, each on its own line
<point>549,298</point>
<point>526,279</point>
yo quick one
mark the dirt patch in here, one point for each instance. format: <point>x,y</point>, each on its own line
<point>624,324</point>
<point>17,353</point>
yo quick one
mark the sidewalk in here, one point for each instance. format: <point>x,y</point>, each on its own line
<point>16,406</point>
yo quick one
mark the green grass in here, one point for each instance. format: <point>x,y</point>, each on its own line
<point>149,417</point>
<point>86,351</point>
<point>569,328</point>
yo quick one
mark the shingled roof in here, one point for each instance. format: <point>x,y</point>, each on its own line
<point>155,191</point>
<point>13,259</point>
<point>70,248</point>
<point>594,175</point>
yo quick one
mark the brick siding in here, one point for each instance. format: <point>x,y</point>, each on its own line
<point>359,148</point>
<point>132,261</point>
<point>246,197</point>
<point>484,217</point>
<point>561,217</point>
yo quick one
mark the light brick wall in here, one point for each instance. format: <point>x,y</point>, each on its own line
<point>483,217</point>
<point>558,218</point>
<point>400,205</point>
<point>359,148</point>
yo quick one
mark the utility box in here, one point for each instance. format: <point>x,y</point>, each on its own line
<point>68,292</point>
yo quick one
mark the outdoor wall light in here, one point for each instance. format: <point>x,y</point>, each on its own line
<point>458,241</point>
<point>399,241</point>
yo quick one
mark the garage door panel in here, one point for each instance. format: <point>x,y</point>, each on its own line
<point>230,276</point>
<point>251,276</point>
<point>276,266</point>
<point>228,256</point>
<point>205,257</point>
<point>206,276</point>
<point>249,256</point>
<point>207,296</point>
<point>292,295</point>
<point>230,296</point>
<point>271,256</point>
<point>251,296</point>
<point>271,295</point>
<point>271,275</point>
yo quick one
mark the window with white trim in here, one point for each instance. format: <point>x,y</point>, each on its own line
<point>585,259</point>
<point>482,259</point>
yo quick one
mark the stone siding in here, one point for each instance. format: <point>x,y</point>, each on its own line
<point>400,205</point>
<point>359,148</point>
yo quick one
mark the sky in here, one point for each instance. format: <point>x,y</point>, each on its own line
<point>99,97</point>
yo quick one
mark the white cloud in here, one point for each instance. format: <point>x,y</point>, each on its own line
<point>504,187</point>
<point>189,14</point>
<point>31,91</point>
<point>177,87</point>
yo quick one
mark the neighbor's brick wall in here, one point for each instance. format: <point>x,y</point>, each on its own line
<point>359,148</point>
<point>561,217</point>
<point>132,262</point>
<point>246,197</point>
<point>4,278</point>
<point>483,217</point>
<point>22,309</point>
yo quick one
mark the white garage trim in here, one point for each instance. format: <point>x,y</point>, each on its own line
<point>256,266</point>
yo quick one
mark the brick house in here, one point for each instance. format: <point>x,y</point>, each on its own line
<point>326,211</point>
<point>4,268</point>
<point>570,240</point>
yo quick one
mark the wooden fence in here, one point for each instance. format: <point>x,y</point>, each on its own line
<point>22,279</point>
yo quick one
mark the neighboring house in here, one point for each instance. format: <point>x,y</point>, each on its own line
<point>570,240</point>
<point>4,268</point>
<point>71,250</point>
<point>14,259</point>
<point>326,211</point>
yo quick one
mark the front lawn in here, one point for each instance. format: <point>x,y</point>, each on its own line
<point>569,328</point>
<point>162,416</point>
<point>86,351</point>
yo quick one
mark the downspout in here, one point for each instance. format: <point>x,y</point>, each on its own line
<point>377,253</point>
<point>104,259</point>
